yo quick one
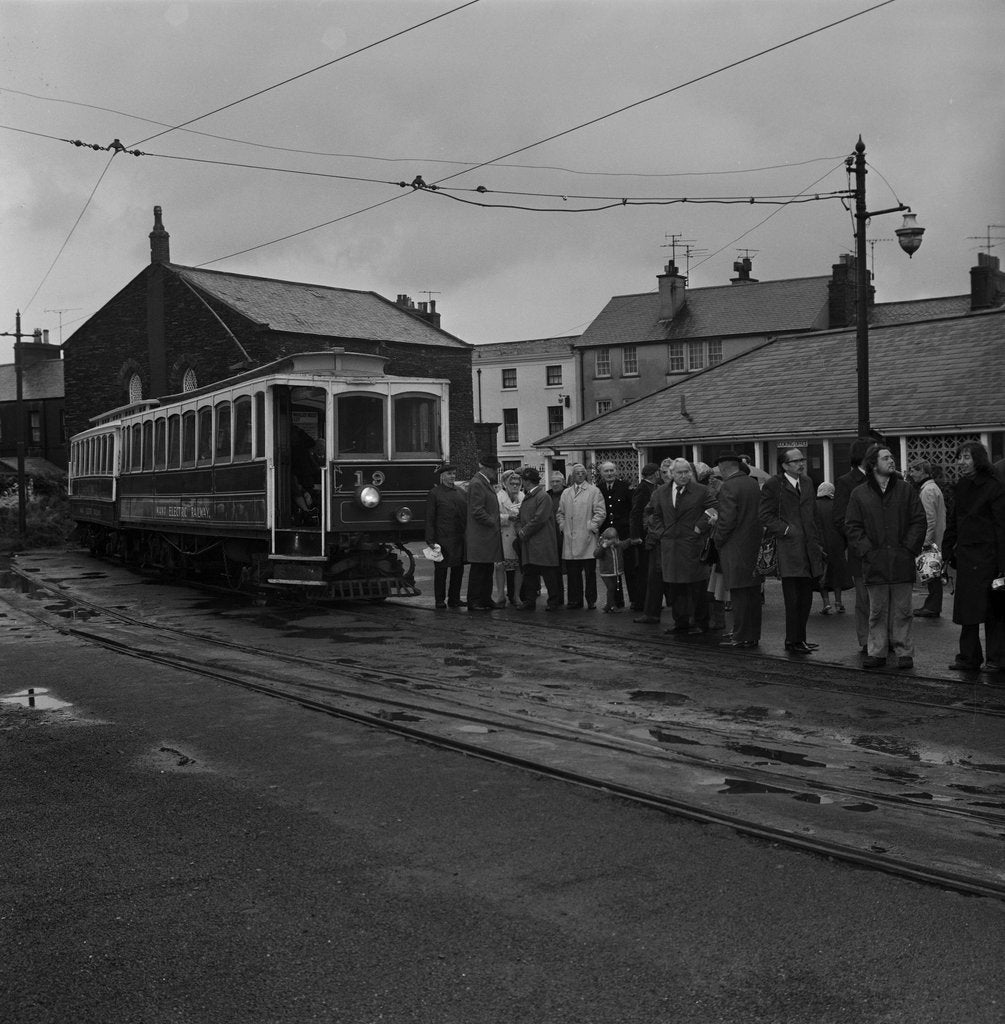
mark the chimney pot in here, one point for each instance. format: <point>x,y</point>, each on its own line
<point>160,246</point>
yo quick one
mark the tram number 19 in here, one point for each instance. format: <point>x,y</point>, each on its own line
<point>377,479</point>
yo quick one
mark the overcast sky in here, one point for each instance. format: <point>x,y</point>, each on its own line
<point>920,80</point>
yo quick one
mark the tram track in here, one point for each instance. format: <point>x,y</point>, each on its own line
<point>929,836</point>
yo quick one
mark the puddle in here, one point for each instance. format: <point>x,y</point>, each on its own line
<point>398,716</point>
<point>68,610</point>
<point>742,787</point>
<point>778,756</point>
<point>659,697</point>
<point>813,798</point>
<point>887,745</point>
<point>668,737</point>
<point>862,808</point>
<point>37,699</point>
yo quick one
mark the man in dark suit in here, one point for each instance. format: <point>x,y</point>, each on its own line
<point>538,544</point>
<point>843,487</point>
<point>483,536</point>
<point>679,515</point>
<point>637,531</point>
<point>788,513</point>
<point>737,535</point>
<point>618,499</point>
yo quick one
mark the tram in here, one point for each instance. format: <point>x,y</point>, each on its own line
<point>308,474</point>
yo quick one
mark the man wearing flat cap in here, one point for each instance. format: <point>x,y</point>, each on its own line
<point>446,522</point>
<point>737,536</point>
<point>538,543</point>
<point>843,487</point>
<point>483,536</point>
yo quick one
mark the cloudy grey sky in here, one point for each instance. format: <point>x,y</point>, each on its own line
<point>920,80</point>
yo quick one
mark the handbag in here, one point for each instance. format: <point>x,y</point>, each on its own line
<point>767,557</point>
<point>709,555</point>
<point>929,564</point>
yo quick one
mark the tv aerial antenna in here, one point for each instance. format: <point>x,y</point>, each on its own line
<point>987,238</point>
<point>65,309</point>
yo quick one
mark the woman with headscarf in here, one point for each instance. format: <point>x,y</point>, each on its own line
<point>974,545</point>
<point>836,577</point>
<point>506,583</point>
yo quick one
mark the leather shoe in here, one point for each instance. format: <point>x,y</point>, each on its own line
<point>648,620</point>
<point>799,647</point>
<point>441,604</point>
<point>925,613</point>
<point>473,609</point>
<point>905,661</point>
<point>735,644</point>
<point>812,646</point>
<point>871,661</point>
<point>457,604</point>
<point>525,607</point>
<point>964,666</point>
<point>696,631</point>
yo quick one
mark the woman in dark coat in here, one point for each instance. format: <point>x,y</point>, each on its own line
<point>836,576</point>
<point>446,521</point>
<point>974,545</point>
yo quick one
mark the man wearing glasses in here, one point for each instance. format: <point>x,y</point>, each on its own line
<point>788,513</point>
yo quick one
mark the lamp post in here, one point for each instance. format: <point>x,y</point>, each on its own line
<point>909,237</point>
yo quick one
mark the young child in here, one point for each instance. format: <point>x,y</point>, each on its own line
<point>612,564</point>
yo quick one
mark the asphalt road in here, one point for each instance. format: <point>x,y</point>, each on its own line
<point>179,852</point>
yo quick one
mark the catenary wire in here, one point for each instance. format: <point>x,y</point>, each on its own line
<point>70,234</point>
<point>310,71</point>
<point>413,160</point>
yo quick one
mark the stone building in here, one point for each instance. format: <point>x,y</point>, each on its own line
<point>42,406</point>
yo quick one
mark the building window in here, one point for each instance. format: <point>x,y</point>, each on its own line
<point>675,357</point>
<point>188,380</point>
<point>555,419</point>
<point>630,361</point>
<point>35,428</point>
<point>553,376</point>
<point>509,464</point>
<point>511,426</point>
<point>603,405</point>
<point>509,379</point>
<point>135,389</point>
<point>695,355</point>
<point>714,352</point>
<point>602,364</point>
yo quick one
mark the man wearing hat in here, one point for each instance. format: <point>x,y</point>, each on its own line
<point>638,579</point>
<point>843,487</point>
<point>538,544</point>
<point>483,536</point>
<point>737,536</point>
<point>446,521</point>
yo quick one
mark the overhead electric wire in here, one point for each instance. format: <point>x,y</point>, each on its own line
<point>676,88</point>
<point>27,305</point>
<point>310,71</point>
<point>412,161</point>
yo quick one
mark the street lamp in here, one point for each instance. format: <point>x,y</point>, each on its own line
<point>909,237</point>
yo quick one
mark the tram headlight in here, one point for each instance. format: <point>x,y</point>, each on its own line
<point>404,514</point>
<point>368,496</point>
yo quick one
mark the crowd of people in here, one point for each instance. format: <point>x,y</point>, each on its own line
<point>700,540</point>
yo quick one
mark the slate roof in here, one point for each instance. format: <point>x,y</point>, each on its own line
<point>918,309</point>
<point>291,307</point>
<point>767,307</point>
<point>525,349</point>
<point>939,375</point>
<point>34,467</point>
<point>42,379</point>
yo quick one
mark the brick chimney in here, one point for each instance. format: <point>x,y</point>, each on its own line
<point>160,247</point>
<point>743,268</point>
<point>425,310</point>
<point>987,282</point>
<point>842,293</point>
<point>672,297</point>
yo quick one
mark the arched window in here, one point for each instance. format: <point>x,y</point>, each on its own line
<point>135,388</point>
<point>188,380</point>
<point>204,449</point>
<point>242,427</point>
<point>416,426</point>
<point>222,446</point>
<point>188,438</point>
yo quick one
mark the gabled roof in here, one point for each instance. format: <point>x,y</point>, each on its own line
<point>41,379</point>
<point>918,309</point>
<point>939,375</point>
<point>290,307</point>
<point>767,307</point>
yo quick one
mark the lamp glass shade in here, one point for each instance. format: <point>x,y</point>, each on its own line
<point>909,234</point>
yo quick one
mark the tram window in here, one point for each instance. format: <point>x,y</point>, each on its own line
<point>148,445</point>
<point>174,441</point>
<point>103,466</point>
<point>135,459</point>
<point>204,444</point>
<point>242,427</point>
<point>160,443</point>
<point>360,425</point>
<point>188,438</point>
<point>259,424</point>
<point>416,425</point>
<point>222,448</point>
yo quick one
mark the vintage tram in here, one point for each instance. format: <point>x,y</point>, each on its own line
<point>307,475</point>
